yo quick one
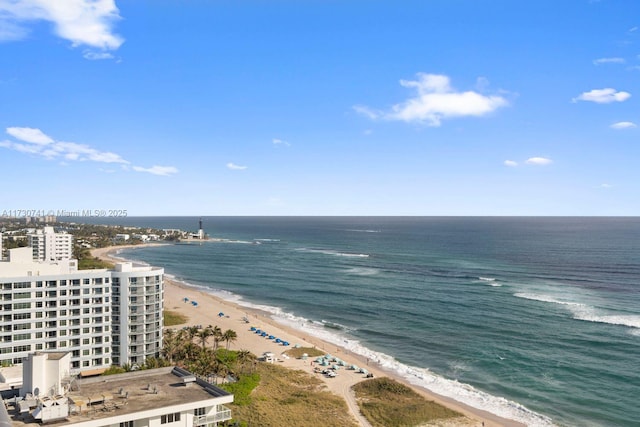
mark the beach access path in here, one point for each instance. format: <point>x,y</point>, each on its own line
<point>179,297</point>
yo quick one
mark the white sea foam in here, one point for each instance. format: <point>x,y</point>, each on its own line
<point>118,255</point>
<point>362,271</point>
<point>631,321</point>
<point>364,231</point>
<point>332,252</point>
<point>587,313</point>
<point>545,298</point>
<point>490,281</point>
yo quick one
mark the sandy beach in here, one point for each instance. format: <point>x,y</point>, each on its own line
<point>179,297</point>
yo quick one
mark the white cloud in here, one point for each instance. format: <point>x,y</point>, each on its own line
<point>95,56</point>
<point>435,100</point>
<point>538,161</point>
<point>367,112</point>
<point>34,136</point>
<point>36,142</point>
<point>235,167</point>
<point>601,61</point>
<point>83,22</point>
<point>277,141</point>
<point>623,125</point>
<point>604,185</point>
<point>22,148</point>
<point>603,96</point>
<point>510,163</point>
<point>157,170</point>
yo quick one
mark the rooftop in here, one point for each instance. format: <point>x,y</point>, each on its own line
<point>128,393</point>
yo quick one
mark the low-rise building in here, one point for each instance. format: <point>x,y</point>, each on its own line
<point>146,398</point>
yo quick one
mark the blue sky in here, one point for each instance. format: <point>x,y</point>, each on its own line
<point>305,107</point>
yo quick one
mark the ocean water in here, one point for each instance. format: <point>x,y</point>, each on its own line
<point>533,319</point>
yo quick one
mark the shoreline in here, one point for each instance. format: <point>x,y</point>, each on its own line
<point>178,297</point>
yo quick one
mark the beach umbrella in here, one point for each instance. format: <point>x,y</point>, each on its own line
<point>278,340</point>
<point>253,328</point>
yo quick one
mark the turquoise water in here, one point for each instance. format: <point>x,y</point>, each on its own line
<point>534,319</point>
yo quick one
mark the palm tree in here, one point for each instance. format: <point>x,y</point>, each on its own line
<point>192,331</point>
<point>245,356</point>
<point>171,344</point>
<point>221,370</point>
<point>203,335</point>
<point>229,336</point>
<point>189,352</point>
<point>217,336</point>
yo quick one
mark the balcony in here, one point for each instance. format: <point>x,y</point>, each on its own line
<point>223,414</point>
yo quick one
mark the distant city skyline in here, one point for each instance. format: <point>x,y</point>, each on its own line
<point>321,108</point>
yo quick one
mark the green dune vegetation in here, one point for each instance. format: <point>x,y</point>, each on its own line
<point>171,318</point>
<point>388,403</point>
<point>288,397</point>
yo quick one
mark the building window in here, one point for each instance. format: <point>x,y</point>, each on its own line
<point>170,418</point>
<point>20,337</point>
<point>21,316</point>
<point>21,285</point>
<point>21,326</point>
<point>126,424</point>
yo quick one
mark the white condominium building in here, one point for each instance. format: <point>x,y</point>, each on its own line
<point>55,307</point>
<point>146,398</point>
<point>137,318</point>
<point>48,245</point>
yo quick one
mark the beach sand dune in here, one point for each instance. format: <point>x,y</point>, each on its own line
<point>179,298</point>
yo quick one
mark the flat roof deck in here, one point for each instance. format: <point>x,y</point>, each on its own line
<point>121,394</point>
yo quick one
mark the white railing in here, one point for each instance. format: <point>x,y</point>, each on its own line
<point>203,420</point>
